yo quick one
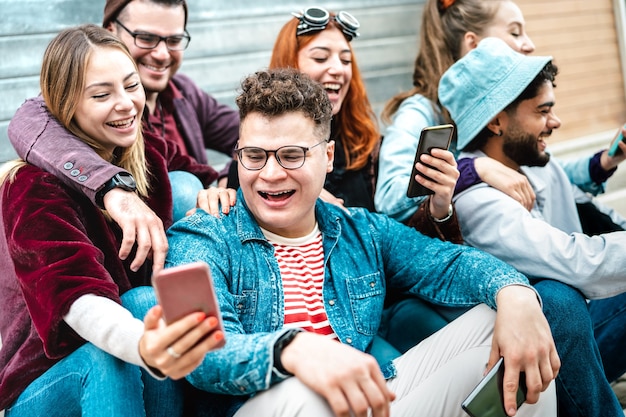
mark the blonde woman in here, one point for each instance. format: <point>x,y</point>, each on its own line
<point>70,343</point>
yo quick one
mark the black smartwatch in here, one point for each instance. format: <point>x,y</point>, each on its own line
<point>123,180</point>
<point>281,344</point>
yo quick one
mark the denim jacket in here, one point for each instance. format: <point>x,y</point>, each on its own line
<point>364,254</point>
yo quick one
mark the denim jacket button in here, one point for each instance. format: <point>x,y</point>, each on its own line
<point>331,302</point>
<point>349,340</point>
<point>372,284</point>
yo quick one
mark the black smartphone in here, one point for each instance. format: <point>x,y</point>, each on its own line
<point>487,399</point>
<point>430,137</point>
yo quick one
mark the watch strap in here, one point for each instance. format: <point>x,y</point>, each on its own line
<point>114,182</point>
<point>281,343</point>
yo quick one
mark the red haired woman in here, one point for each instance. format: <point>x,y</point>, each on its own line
<point>317,42</point>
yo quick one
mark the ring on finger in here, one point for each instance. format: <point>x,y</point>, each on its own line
<point>173,353</point>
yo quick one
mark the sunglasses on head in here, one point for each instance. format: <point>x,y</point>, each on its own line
<point>315,19</point>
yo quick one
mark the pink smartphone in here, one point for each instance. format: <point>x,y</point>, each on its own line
<point>185,289</point>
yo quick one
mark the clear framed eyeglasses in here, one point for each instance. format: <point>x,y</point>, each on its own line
<point>288,157</point>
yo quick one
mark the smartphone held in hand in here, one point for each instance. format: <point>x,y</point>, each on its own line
<point>487,399</point>
<point>430,137</point>
<point>614,148</point>
<point>185,289</point>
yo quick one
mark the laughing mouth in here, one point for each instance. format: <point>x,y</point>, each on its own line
<point>155,69</point>
<point>276,196</point>
<point>122,124</point>
<point>332,88</point>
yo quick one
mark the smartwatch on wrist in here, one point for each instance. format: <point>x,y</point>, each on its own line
<point>281,344</point>
<point>123,180</point>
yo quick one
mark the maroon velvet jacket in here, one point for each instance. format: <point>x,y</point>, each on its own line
<point>56,246</point>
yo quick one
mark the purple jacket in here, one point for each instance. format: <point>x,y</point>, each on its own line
<point>40,139</point>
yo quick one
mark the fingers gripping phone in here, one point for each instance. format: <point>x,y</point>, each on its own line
<point>430,137</point>
<point>614,148</point>
<point>487,399</point>
<point>185,289</point>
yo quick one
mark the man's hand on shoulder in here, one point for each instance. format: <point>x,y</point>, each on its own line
<point>138,223</point>
<point>522,336</point>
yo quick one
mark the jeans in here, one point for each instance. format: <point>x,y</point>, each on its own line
<point>88,382</point>
<point>609,324</point>
<point>161,397</point>
<point>175,398</point>
<point>185,189</point>
<point>410,320</point>
<point>582,386</point>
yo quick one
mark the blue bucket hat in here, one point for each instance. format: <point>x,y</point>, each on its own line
<point>483,83</point>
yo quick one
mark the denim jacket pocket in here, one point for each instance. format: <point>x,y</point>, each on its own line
<point>367,295</point>
<point>245,305</point>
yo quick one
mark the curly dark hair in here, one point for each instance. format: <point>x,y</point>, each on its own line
<point>278,91</point>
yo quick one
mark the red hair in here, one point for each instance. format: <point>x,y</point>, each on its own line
<point>356,121</point>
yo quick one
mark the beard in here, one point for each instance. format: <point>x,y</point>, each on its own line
<point>522,148</point>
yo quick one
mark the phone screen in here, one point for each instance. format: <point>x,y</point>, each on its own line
<point>430,137</point>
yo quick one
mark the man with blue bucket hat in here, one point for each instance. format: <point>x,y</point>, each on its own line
<point>502,103</point>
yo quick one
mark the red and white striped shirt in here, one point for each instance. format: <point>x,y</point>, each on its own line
<point>301,263</point>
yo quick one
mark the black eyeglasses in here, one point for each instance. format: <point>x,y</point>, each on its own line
<point>288,157</point>
<point>316,19</point>
<point>147,40</point>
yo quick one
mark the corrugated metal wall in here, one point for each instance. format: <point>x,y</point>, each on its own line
<point>230,38</point>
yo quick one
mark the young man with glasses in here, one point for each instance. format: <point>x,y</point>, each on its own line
<point>301,285</point>
<point>176,110</point>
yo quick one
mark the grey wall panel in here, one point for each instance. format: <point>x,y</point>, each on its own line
<point>46,16</point>
<point>26,53</point>
<point>14,92</point>
<point>6,151</point>
<point>230,39</point>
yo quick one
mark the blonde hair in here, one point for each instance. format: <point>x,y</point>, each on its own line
<point>9,169</point>
<point>441,35</point>
<point>62,82</point>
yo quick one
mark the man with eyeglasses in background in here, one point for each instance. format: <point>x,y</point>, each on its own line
<point>176,109</point>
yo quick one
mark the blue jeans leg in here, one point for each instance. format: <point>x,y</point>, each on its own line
<point>582,388</point>
<point>407,322</point>
<point>89,382</point>
<point>161,397</point>
<point>185,189</point>
<point>609,323</point>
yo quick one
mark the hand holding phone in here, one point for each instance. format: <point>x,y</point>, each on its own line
<point>487,399</point>
<point>185,289</point>
<point>614,148</point>
<point>430,137</point>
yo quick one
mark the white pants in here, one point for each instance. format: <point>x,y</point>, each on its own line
<point>433,378</point>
